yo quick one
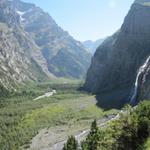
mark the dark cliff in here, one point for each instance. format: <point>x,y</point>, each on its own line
<point>115,64</point>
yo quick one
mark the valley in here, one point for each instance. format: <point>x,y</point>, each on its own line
<point>58,93</point>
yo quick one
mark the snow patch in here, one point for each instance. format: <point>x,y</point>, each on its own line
<point>46,95</point>
<point>21,13</point>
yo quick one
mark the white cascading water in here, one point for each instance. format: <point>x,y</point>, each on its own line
<point>141,70</point>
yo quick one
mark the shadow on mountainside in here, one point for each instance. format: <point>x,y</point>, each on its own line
<point>113,100</point>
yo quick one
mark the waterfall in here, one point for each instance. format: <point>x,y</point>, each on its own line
<point>141,70</point>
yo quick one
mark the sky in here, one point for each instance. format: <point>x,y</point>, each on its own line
<point>87,19</point>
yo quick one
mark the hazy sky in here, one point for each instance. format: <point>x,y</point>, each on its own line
<point>87,19</point>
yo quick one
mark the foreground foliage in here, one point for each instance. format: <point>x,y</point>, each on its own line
<point>130,132</point>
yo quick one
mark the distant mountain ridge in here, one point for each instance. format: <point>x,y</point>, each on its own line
<point>93,45</point>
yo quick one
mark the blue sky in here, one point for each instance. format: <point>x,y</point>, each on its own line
<point>87,19</point>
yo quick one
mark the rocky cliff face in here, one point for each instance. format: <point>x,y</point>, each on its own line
<point>65,56</point>
<point>116,62</point>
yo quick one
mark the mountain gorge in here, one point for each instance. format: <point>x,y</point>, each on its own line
<point>34,48</point>
<point>116,63</point>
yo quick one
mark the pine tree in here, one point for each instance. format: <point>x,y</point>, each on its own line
<point>92,139</point>
<point>71,144</point>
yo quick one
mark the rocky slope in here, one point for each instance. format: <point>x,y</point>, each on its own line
<point>116,62</point>
<point>65,56</point>
<point>20,58</point>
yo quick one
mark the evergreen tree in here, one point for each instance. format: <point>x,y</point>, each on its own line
<point>71,144</point>
<point>92,139</point>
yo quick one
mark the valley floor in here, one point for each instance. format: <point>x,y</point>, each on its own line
<point>49,119</point>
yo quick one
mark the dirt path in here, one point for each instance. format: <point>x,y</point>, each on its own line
<point>48,94</point>
<point>54,138</point>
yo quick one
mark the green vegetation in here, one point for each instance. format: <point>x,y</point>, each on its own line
<point>130,132</point>
<point>21,117</point>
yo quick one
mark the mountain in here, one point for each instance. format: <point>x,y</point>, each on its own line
<point>34,48</point>
<point>115,66</point>
<point>92,45</point>
<point>65,56</point>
